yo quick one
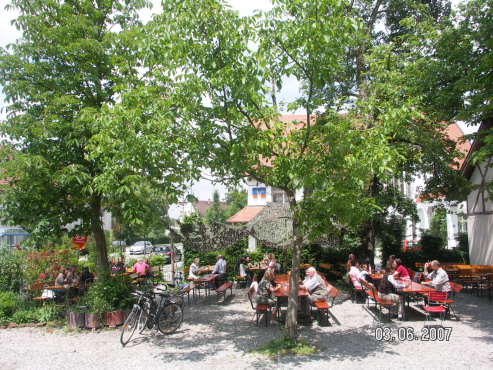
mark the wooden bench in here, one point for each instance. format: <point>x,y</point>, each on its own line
<point>372,292</point>
<point>323,307</point>
<point>38,288</point>
<point>187,290</point>
<point>240,280</point>
<point>223,289</point>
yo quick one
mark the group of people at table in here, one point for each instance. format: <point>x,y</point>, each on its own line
<point>395,276</point>
<point>313,284</point>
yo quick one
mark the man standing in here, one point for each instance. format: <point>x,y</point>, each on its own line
<point>440,277</point>
<point>315,286</point>
<point>219,268</point>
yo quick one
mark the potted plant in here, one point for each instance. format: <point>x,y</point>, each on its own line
<point>76,316</point>
<point>107,297</point>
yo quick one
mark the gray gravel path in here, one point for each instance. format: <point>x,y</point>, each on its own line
<point>219,336</point>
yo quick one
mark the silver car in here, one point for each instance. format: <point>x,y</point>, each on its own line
<point>141,247</point>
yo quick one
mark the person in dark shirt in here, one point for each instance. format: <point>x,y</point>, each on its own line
<point>86,277</point>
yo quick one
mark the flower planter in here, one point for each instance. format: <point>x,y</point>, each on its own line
<point>76,319</point>
<point>113,319</point>
<point>93,321</point>
<point>126,313</point>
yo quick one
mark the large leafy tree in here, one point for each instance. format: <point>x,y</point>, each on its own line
<point>451,67</point>
<point>78,137</point>
<point>227,71</point>
<point>372,76</point>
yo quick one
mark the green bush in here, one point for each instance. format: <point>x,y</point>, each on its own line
<point>49,312</point>
<point>108,294</point>
<point>156,260</point>
<point>7,306</point>
<point>25,316</point>
<point>12,269</point>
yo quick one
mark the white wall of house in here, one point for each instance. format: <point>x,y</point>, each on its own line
<point>480,222</point>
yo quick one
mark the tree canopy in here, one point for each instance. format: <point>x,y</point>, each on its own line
<point>79,137</point>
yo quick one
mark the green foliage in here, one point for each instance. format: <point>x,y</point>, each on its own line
<point>215,213</point>
<point>46,264</point>
<point>26,316</point>
<point>12,270</point>
<point>156,260</point>
<point>464,246</point>
<point>438,222</point>
<point>108,294</point>
<point>49,312</point>
<point>431,245</point>
<point>285,346</point>
<point>7,306</point>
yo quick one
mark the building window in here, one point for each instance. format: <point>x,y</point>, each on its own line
<point>278,196</point>
<point>462,221</point>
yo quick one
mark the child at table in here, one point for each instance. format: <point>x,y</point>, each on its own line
<point>363,272</point>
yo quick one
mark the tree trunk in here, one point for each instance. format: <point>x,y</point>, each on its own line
<point>368,231</point>
<point>98,232</point>
<point>291,316</point>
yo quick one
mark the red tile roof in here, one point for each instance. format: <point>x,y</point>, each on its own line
<point>245,215</point>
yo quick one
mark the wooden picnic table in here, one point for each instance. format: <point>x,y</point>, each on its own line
<point>204,282</point>
<point>284,279</point>
<point>412,287</point>
<point>283,294</point>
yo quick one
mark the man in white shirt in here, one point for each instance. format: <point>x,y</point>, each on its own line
<point>440,277</point>
<point>315,286</point>
<point>219,268</point>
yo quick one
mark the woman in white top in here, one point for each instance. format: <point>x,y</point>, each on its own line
<point>194,269</point>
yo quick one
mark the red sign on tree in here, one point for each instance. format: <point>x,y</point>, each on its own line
<point>79,242</point>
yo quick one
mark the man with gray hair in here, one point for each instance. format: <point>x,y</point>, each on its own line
<point>315,286</point>
<point>439,277</point>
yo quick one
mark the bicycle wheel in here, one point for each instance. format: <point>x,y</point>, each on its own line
<point>129,326</point>
<point>170,318</point>
<point>143,317</point>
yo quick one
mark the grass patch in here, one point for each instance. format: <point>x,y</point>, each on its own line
<point>284,346</point>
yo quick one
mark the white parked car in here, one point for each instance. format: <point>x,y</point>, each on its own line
<point>138,248</point>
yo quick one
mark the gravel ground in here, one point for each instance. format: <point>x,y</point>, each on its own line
<point>220,336</point>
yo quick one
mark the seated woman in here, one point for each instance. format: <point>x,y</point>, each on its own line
<point>386,290</point>
<point>62,276</point>
<point>401,272</point>
<point>264,293</point>
<point>244,272</point>
<point>355,274</point>
<point>141,267</point>
<point>194,269</point>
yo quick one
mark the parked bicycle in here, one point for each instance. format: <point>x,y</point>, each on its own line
<point>154,310</point>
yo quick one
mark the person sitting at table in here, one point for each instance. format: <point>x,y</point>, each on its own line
<point>401,272</point>
<point>237,267</point>
<point>391,258</point>
<point>439,276</point>
<point>363,272</point>
<point>62,276</point>
<point>386,290</point>
<point>265,293</point>
<point>141,267</point>
<point>272,261</point>
<point>113,266</point>
<point>315,286</point>
<point>193,272</point>
<point>355,274</point>
<point>350,260</point>
<point>265,262</point>
<point>247,262</point>
<point>219,268</point>
<point>86,277</point>
<point>244,272</point>
<point>72,275</point>
<point>120,266</point>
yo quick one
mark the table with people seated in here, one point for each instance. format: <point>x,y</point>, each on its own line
<point>283,293</point>
<point>204,282</point>
<point>412,288</point>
